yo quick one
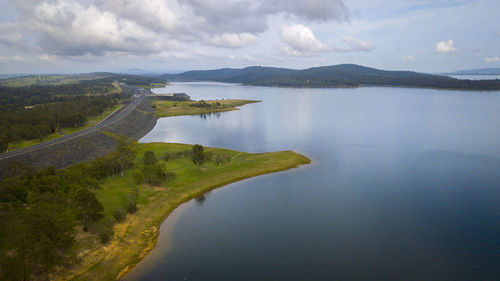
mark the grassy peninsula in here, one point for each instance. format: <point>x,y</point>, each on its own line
<point>166,108</point>
<point>136,235</point>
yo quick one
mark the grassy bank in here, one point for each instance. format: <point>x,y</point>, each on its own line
<point>66,131</point>
<point>137,235</point>
<point>165,108</point>
<point>150,85</point>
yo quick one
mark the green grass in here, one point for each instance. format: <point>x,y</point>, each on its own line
<point>164,108</point>
<point>150,86</point>
<point>137,235</point>
<point>66,131</point>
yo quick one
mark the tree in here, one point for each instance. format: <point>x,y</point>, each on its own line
<point>198,156</point>
<point>89,208</point>
<point>149,158</point>
<point>125,154</point>
<point>4,143</point>
<point>39,240</point>
<point>154,174</point>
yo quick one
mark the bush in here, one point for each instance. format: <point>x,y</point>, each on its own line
<point>105,229</point>
<point>132,198</point>
<point>138,177</point>
<point>119,214</point>
<point>169,176</point>
<point>149,158</point>
<point>222,159</point>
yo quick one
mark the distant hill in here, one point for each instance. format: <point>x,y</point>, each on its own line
<point>481,71</point>
<point>343,75</point>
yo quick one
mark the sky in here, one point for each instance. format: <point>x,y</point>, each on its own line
<point>162,36</point>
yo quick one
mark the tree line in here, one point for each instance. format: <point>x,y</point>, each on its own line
<point>39,210</point>
<point>35,112</point>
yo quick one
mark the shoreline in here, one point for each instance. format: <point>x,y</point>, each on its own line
<point>346,86</point>
<point>123,274</point>
<point>138,235</point>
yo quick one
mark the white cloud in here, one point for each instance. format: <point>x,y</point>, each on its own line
<point>135,27</point>
<point>357,44</point>
<point>233,40</point>
<point>445,47</point>
<point>151,14</point>
<point>301,41</point>
<point>492,59</point>
<point>409,58</point>
<point>12,59</point>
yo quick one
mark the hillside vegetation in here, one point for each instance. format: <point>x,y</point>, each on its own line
<point>344,75</point>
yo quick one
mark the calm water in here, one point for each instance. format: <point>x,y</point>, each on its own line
<point>404,185</point>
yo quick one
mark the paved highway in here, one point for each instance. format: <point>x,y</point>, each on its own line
<point>109,120</point>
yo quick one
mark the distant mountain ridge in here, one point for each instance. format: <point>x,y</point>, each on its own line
<point>343,75</point>
<point>480,71</point>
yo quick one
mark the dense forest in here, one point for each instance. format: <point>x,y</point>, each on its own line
<point>33,112</point>
<point>41,210</point>
<point>345,75</point>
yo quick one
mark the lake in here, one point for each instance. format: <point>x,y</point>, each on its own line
<point>404,185</point>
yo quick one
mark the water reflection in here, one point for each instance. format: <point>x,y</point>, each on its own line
<point>204,116</point>
<point>407,188</point>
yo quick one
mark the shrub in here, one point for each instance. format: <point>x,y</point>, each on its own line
<point>132,198</point>
<point>149,158</point>
<point>105,229</point>
<point>119,214</point>
<point>138,177</point>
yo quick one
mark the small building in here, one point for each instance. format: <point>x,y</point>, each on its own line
<point>172,96</point>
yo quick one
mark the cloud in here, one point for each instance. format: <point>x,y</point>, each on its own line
<point>301,41</point>
<point>445,47</point>
<point>233,40</point>
<point>152,14</point>
<point>357,45</point>
<point>251,15</point>
<point>492,59</point>
<point>12,59</point>
<point>106,27</point>
<point>322,10</point>
<point>409,58</point>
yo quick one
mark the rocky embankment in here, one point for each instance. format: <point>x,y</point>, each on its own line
<point>137,123</point>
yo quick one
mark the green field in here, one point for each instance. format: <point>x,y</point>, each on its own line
<point>66,131</point>
<point>149,86</point>
<point>164,108</point>
<point>137,235</point>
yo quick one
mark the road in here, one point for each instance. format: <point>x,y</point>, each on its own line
<point>107,121</point>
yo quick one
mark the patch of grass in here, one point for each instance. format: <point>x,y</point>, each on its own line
<point>137,235</point>
<point>164,108</point>
<point>116,89</point>
<point>149,86</point>
<point>66,131</point>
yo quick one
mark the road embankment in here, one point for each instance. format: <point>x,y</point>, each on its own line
<point>133,122</point>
